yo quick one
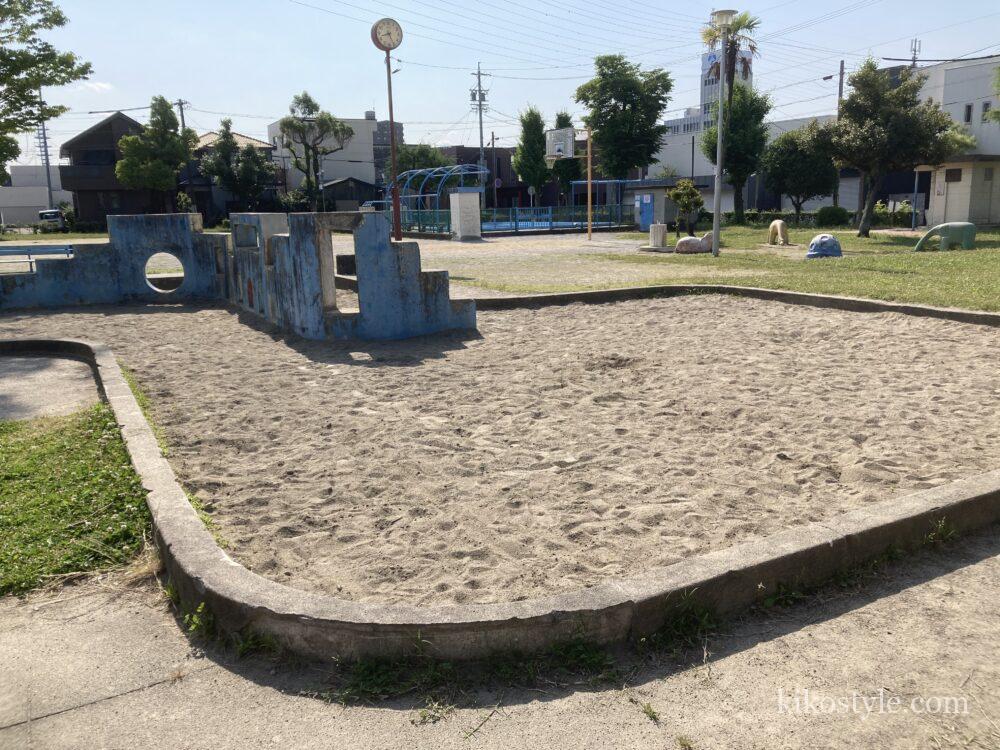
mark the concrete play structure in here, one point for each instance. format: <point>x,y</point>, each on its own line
<point>777,233</point>
<point>951,234</point>
<point>278,266</point>
<point>824,246</point>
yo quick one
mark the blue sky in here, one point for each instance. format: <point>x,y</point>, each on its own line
<point>248,57</point>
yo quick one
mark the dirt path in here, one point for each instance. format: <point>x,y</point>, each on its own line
<point>33,387</point>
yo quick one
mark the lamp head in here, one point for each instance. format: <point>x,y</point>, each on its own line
<point>723,18</point>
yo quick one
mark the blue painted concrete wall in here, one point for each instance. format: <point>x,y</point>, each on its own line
<point>116,272</point>
<point>278,266</point>
<point>289,264</point>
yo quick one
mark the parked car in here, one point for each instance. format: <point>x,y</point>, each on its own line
<point>52,219</point>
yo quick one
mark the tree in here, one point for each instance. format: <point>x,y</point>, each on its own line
<point>566,170</point>
<point>152,159</point>
<point>310,133</point>
<point>26,65</point>
<point>420,156</point>
<point>884,127</point>
<point>626,105</point>
<point>243,172</point>
<point>798,164</point>
<point>688,201</point>
<point>529,156</point>
<point>744,140</point>
<point>739,36</point>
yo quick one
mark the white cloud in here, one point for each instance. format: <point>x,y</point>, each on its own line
<point>97,87</point>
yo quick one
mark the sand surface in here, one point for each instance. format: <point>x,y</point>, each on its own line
<point>564,447</point>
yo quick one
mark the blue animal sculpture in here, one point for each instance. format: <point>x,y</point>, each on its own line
<point>824,246</point>
<point>953,233</point>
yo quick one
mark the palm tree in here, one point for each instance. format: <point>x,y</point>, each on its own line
<point>741,32</point>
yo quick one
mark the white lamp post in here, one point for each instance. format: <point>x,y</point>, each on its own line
<point>721,19</point>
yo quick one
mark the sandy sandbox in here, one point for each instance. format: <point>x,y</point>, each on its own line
<point>566,446</point>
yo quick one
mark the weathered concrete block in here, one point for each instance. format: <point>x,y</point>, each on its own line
<point>466,219</point>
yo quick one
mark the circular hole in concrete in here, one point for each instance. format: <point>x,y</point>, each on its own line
<point>164,272</point>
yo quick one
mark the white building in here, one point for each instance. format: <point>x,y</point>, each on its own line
<point>967,187</point>
<point>681,151</point>
<point>27,194</point>
<point>356,159</point>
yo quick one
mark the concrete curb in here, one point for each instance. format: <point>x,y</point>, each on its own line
<point>615,611</point>
<point>850,304</point>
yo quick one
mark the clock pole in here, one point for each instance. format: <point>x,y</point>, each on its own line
<point>397,219</point>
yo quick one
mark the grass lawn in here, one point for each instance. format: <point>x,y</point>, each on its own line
<point>52,238</point>
<point>880,267</point>
<point>69,498</point>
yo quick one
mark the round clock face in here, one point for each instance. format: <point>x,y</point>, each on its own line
<point>387,34</point>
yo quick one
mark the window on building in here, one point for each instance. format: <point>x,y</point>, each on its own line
<point>953,175</point>
<point>988,174</point>
<point>94,157</point>
<point>968,113</point>
<point>986,111</point>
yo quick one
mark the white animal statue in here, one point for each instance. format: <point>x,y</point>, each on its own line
<point>690,245</point>
<point>778,233</point>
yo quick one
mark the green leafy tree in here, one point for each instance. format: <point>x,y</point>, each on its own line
<point>798,164</point>
<point>744,141</point>
<point>310,133</point>
<point>740,36</point>
<point>245,172</point>
<point>26,65</point>
<point>884,127</point>
<point>688,201</point>
<point>566,170</point>
<point>420,156</point>
<point>529,156</point>
<point>152,159</point>
<point>626,106</point>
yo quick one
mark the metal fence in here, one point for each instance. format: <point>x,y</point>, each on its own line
<point>520,219</point>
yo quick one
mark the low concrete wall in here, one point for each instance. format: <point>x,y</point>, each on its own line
<point>850,304</point>
<point>116,271</point>
<point>278,266</point>
<point>614,611</point>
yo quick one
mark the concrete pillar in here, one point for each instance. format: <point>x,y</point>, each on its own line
<point>657,235</point>
<point>466,222</point>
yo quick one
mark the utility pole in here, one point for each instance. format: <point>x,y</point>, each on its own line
<point>180,103</point>
<point>478,97</point>
<point>185,174</point>
<point>493,154</point>
<point>43,147</point>
<point>914,51</point>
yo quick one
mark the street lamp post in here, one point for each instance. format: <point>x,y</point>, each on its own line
<point>387,35</point>
<point>721,20</point>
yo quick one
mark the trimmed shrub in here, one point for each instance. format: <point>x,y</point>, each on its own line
<point>833,216</point>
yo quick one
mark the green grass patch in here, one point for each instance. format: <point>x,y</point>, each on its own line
<point>51,238</point>
<point>968,279</point>
<point>69,499</point>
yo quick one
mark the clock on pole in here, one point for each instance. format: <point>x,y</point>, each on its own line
<point>387,35</point>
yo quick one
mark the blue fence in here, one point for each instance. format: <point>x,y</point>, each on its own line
<point>520,219</point>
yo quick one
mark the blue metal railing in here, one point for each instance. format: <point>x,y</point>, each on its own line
<point>516,218</point>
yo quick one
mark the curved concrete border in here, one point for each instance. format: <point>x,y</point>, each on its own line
<point>850,304</point>
<point>614,611</point>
